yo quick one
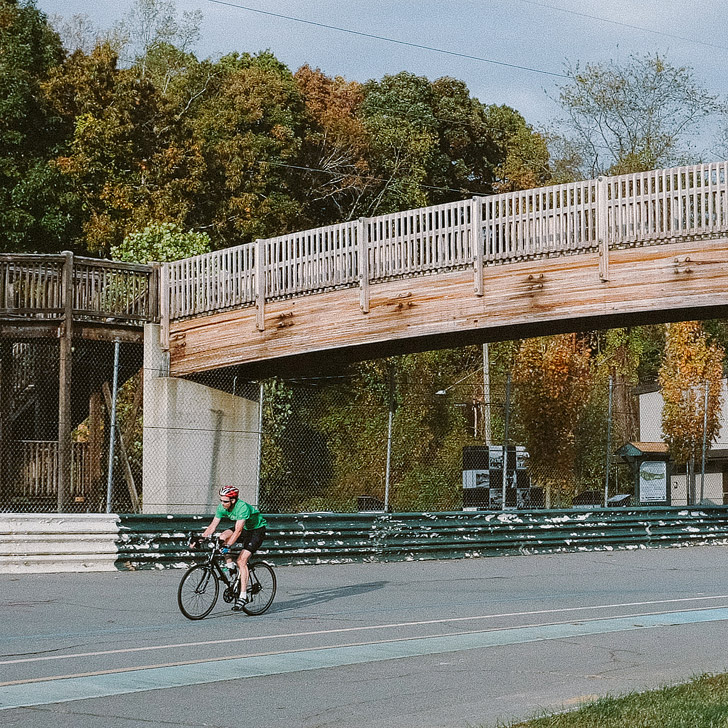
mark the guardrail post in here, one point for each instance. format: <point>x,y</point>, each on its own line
<point>362,234</point>
<point>65,335</point>
<point>260,284</point>
<point>476,241</point>
<point>603,228</point>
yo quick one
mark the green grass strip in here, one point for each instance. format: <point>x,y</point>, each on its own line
<point>700,703</point>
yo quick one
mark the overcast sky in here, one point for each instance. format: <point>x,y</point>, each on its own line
<point>541,35</point>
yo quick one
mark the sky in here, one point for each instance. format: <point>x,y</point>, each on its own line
<point>517,49</point>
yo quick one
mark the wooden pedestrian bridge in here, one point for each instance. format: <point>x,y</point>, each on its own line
<point>614,251</point>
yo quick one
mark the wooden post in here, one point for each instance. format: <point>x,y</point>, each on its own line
<point>260,284</point>
<point>362,234</point>
<point>163,297</point>
<point>95,442</point>
<point>64,383</point>
<point>603,228</point>
<point>476,241</point>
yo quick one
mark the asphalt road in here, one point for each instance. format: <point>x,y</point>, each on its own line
<point>416,644</point>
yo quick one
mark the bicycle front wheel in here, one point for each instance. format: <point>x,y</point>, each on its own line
<point>261,588</point>
<point>198,590</point>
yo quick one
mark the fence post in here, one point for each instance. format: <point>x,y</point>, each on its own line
<point>476,241</point>
<point>609,442</point>
<point>603,228</point>
<point>65,334</point>
<point>362,235</point>
<point>505,439</point>
<point>260,284</point>
<point>705,440</point>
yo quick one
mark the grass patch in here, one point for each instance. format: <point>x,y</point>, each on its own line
<point>700,703</point>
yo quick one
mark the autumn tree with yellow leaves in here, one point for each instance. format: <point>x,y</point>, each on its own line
<point>690,364</point>
<point>551,377</point>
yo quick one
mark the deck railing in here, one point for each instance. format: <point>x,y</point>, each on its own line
<point>40,473</point>
<point>47,286</point>
<point>646,208</point>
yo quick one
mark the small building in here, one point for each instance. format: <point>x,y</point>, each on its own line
<point>715,485</point>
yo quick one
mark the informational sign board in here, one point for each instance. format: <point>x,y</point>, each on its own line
<point>483,477</point>
<point>653,485</point>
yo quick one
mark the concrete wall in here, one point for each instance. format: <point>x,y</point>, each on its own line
<point>196,439</point>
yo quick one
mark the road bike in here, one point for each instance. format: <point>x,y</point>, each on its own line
<point>200,586</point>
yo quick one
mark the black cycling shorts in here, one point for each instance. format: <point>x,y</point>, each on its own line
<point>250,540</point>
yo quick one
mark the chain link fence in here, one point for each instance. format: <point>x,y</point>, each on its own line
<point>379,436</point>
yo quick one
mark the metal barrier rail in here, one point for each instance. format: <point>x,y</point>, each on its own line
<point>633,209</point>
<point>159,541</point>
<point>95,542</point>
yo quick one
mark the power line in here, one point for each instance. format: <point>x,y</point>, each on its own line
<point>622,24</point>
<point>389,40</point>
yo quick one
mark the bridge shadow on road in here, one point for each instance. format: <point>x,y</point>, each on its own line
<point>314,596</point>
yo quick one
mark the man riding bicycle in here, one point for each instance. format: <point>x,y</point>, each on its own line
<point>248,534</point>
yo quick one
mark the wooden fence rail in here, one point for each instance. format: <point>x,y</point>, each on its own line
<point>33,286</point>
<point>39,472</point>
<point>647,208</point>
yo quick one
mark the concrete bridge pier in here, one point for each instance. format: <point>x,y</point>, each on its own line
<point>196,438</point>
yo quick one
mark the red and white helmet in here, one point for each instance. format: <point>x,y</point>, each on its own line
<point>229,491</point>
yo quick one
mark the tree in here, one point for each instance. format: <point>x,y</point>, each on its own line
<point>336,175</point>
<point>250,135</point>
<point>691,363</point>
<point>551,377</point>
<point>150,24</point>
<point>31,217</point>
<point>632,117</point>
<point>161,242</point>
<point>127,158</point>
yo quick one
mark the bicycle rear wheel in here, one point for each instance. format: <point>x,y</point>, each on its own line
<point>261,588</point>
<point>198,590</point>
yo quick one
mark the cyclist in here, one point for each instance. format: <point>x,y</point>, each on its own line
<point>248,533</point>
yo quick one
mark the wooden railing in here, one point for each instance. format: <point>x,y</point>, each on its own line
<point>39,472</point>
<point>648,208</point>
<point>47,286</point>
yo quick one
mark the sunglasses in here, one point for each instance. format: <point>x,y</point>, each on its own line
<point>225,502</point>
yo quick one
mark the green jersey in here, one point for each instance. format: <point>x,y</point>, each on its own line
<point>243,511</point>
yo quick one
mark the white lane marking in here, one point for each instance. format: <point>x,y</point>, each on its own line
<point>217,658</point>
<point>341,630</point>
<point>122,682</point>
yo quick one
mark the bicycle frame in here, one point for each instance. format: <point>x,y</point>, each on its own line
<point>213,559</point>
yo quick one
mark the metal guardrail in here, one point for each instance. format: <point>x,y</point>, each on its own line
<point>38,542</point>
<point>635,209</point>
<point>158,541</point>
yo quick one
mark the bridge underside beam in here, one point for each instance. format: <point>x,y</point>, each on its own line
<point>652,284</point>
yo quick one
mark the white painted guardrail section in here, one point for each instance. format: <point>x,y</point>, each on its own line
<point>46,543</point>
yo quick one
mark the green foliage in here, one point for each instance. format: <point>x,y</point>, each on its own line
<point>31,215</point>
<point>699,703</point>
<point>161,242</point>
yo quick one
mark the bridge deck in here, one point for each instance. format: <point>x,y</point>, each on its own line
<point>635,248</point>
<point>529,298</point>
